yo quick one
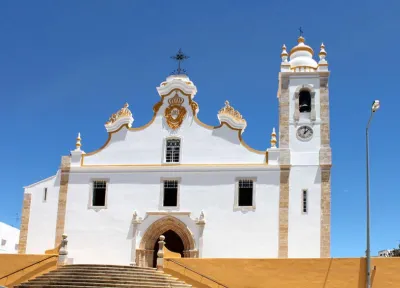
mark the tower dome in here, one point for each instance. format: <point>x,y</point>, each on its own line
<point>301,57</point>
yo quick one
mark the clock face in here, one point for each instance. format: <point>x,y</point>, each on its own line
<point>305,133</point>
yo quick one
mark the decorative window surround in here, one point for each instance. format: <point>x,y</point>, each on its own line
<point>236,203</point>
<point>91,187</point>
<point>296,114</point>
<point>161,204</point>
<point>167,155</point>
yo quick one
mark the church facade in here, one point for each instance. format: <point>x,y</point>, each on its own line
<point>201,186</point>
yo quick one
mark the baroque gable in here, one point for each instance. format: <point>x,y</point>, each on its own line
<point>175,115</point>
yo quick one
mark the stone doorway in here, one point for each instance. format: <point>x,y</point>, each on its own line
<point>172,228</point>
<point>173,243</point>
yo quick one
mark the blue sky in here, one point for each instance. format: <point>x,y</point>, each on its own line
<point>65,66</point>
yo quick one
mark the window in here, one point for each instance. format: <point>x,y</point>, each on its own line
<point>16,247</point>
<point>245,193</point>
<point>172,150</point>
<point>45,195</point>
<point>304,201</point>
<point>3,242</point>
<point>99,193</point>
<point>304,101</point>
<point>170,198</point>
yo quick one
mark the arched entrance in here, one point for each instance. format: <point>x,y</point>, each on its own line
<point>173,243</point>
<point>172,228</point>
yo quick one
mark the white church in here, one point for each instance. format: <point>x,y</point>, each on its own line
<point>225,200</point>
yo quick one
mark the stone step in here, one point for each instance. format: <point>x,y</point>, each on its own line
<point>99,283</point>
<point>103,286</point>
<point>106,266</point>
<point>106,272</point>
<point>103,277</point>
<point>102,280</point>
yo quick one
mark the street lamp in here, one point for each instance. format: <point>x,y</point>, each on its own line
<point>374,108</point>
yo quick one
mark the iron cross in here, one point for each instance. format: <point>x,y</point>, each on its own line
<point>301,32</point>
<point>180,57</point>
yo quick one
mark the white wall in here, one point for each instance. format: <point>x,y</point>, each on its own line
<point>11,236</point>
<point>226,234</point>
<point>43,215</point>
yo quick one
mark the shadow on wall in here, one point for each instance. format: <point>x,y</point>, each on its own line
<point>299,273</point>
<point>17,266</point>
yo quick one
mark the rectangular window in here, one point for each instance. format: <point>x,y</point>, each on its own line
<point>99,193</point>
<point>45,195</point>
<point>245,193</point>
<point>3,242</point>
<point>170,193</point>
<point>16,247</point>
<point>172,150</point>
<point>304,201</point>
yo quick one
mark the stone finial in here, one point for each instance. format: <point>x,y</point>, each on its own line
<point>322,52</point>
<point>232,117</point>
<point>78,143</point>
<point>284,54</point>
<point>136,219</point>
<point>160,253</point>
<point>122,117</point>
<point>273,138</point>
<point>63,253</point>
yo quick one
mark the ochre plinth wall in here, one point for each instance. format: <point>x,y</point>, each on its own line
<point>10,263</point>
<point>299,273</point>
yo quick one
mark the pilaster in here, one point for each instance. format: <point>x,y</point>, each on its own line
<point>23,234</point>
<point>62,198</point>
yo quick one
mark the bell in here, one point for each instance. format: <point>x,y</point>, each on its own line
<point>304,108</point>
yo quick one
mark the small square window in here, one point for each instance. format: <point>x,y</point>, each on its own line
<point>3,242</point>
<point>245,197</point>
<point>304,201</point>
<point>170,198</point>
<point>99,193</point>
<point>172,150</point>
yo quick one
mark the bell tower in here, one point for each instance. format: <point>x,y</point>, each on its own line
<point>305,153</point>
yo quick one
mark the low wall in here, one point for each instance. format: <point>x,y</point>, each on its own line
<point>293,273</point>
<point>10,263</point>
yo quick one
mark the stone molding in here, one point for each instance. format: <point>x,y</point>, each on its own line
<point>23,235</point>
<point>284,212</point>
<point>145,253</point>
<point>62,197</point>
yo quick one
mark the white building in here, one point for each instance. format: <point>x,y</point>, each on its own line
<point>9,238</point>
<point>201,186</point>
<point>385,253</point>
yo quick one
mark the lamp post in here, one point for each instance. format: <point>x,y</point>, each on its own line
<point>374,108</point>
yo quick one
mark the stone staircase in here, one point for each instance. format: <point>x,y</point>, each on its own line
<point>83,276</point>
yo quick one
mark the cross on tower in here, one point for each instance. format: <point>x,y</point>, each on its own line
<point>179,57</point>
<point>301,32</point>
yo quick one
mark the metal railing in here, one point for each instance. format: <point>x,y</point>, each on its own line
<point>30,265</point>
<point>202,275</point>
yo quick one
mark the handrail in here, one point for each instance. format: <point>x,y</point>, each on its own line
<point>202,275</point>
<point>37,262</point>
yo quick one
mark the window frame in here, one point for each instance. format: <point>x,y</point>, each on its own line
<point>91,190</point>
<point>306,200</point>
<point>236,206</point>
<point>164,156</point>
<point>178,196</point>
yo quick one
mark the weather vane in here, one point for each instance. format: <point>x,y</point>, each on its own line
<point>180,57</point>
<point>301,32</point>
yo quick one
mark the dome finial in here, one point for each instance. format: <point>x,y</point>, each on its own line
<point>301,38</point>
